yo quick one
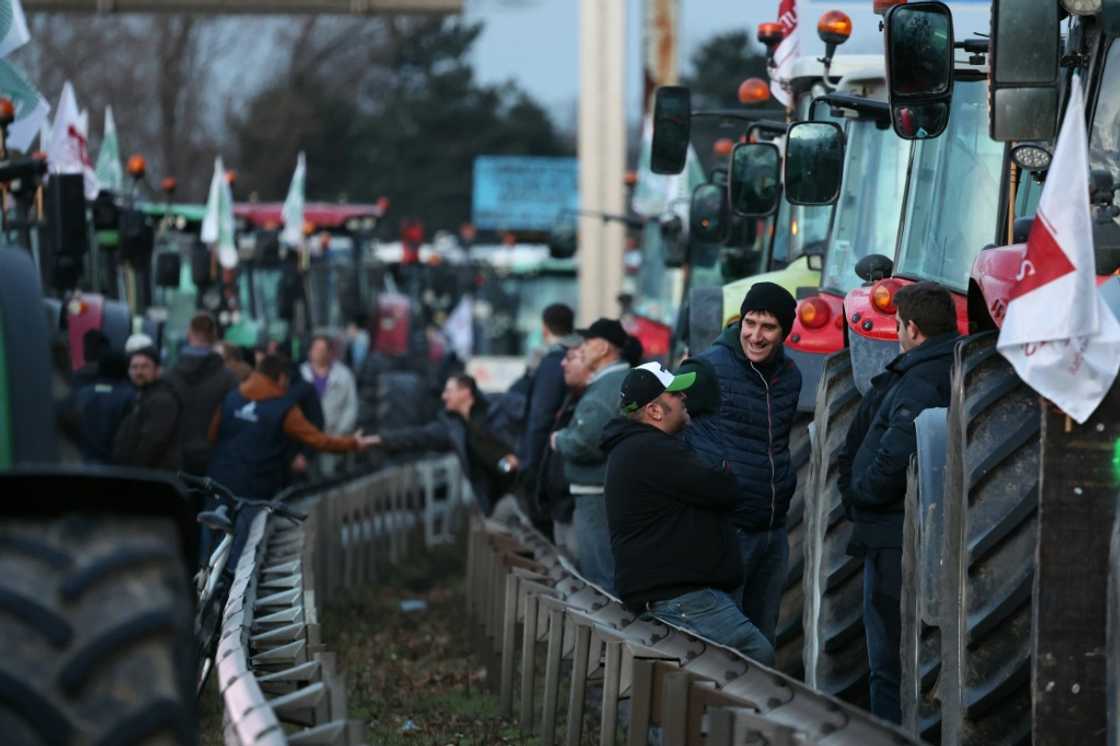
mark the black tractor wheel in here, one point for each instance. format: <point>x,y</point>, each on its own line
<point>789,636</point>
<point>95,614</point>
<point>835,649</point>
<point>921,634</point>
<point>991,512</point>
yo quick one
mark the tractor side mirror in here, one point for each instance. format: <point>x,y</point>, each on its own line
<point>814,164</point>
<point>709,216</point>
<point>1023,58</point>
<point>672,123</point>
<point>919,42</point>
<point>168,268</point>
<point>563,238</point>
<point>754,182</point>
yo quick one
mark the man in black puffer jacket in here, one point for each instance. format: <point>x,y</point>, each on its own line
<point>873,464</point>
<point>759,387</point>
<point>676,555</point>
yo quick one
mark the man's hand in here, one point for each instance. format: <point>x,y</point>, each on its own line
<point>299,464</point>
<point>514,464</point>
<point>366,442</point>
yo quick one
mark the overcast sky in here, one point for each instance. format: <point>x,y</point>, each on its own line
<point>536,42</point>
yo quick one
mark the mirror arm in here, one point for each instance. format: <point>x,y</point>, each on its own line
<point>769,126</point>
<point>732,114</point>
<point>859,104</point>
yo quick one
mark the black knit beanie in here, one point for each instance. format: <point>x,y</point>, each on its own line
<point>774,299</point>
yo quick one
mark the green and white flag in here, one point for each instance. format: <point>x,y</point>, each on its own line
<point>293,206</point>
<point>31,108</point>
<point>217,225</point>
<point>13,27</point>
<point>110,175</point>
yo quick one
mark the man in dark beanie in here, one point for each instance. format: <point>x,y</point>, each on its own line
<point>758,390</point>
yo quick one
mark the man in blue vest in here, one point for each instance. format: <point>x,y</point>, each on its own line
<point>251,433</point>
<point>759,387</point>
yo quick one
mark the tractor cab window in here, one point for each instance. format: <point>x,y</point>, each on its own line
<point>870,203</point>
<point>1104,142</point>
<point>953,194</point>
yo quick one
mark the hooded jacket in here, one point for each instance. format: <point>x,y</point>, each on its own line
<point>751,430</point>
<point>667,511</point>
<point>876,453</point>
<point>202,382</point>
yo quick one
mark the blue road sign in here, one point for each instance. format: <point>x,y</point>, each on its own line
<point>523,192</point>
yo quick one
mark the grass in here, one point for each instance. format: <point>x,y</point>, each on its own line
<point>413,677</point>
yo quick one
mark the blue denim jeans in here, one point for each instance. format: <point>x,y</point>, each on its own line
<point>765,566</point>
<point>593,540</point>
<point>715,615</point>
<point>882,623</point>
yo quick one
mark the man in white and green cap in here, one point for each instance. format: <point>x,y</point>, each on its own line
<point>675,550</point>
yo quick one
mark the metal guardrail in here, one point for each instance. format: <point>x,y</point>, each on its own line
<point>695,690</point>
<point>279,685</point>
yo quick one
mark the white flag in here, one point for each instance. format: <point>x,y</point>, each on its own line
<point>217,225</point>
<point>293,206</point>
<point>68,152</point>
<point>782,72</point>
<point>459,328</point>
<point>1058,333</point>
<point>110,175</point>
<point>13,27</point>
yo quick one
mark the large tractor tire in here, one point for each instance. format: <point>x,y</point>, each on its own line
<point>835,648</point>
<point>789,636</point>
<point>991,530</point>
<point>921,635</point>
<point>96,619</point>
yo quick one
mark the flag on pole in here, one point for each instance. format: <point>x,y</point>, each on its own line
<point>293,206</point>
<point>31,108</point>
<point>782,71</point>
<point>45,134</point>
<point>68,152</point>
<point>1058,333</point>
<point>217,225</point>
<point>13,27</point>
<point>110,175</point>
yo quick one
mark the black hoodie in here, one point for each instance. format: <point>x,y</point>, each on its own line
<point>202,382</point>
<point>669,516</point>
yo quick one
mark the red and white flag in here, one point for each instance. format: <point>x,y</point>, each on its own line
<point>782,71</point>
<point>68,151</point>
<point>1060,336</point>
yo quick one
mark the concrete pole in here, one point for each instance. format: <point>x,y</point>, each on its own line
<point>602,154</point>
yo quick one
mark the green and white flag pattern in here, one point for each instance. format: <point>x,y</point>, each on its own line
<point>13,27</point>
<point>293,206</point>
<point>217,225</point>
<point>110,175</point>
<point>31,108</point>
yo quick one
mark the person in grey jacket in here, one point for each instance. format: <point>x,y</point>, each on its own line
<point>585,463</point>
<point>338,394</point>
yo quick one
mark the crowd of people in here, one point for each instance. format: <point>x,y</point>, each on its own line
<point>670,491</point>
<point>667,490</point>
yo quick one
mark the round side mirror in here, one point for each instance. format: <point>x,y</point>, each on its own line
<point>814,164</point>
<point>754,182</point>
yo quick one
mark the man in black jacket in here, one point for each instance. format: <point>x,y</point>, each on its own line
<point>201,380</point>
<point>146,436</point>
<point>675,550</point>
<point>873,464</point>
